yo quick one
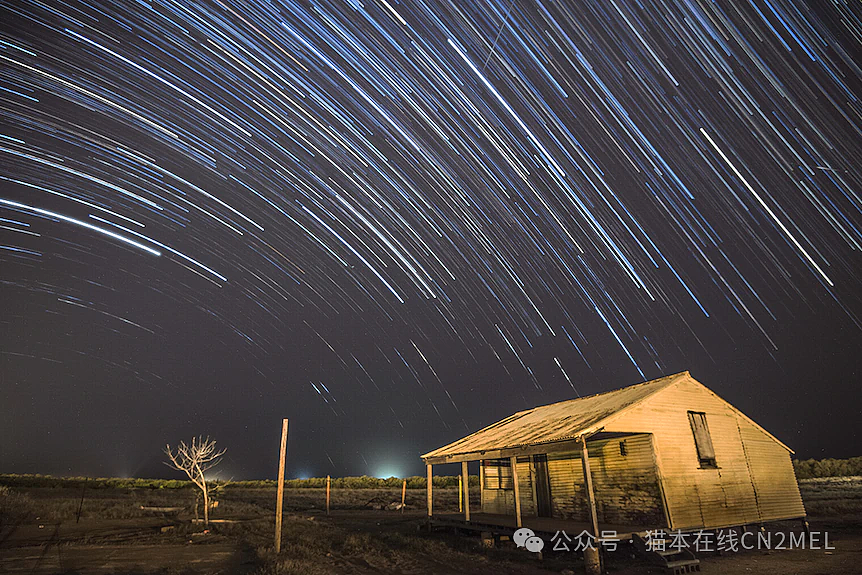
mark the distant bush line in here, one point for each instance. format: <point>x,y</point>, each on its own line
<point>814,468</point>
<point>805,469</point>
<point>363,482</point>
<point>26,480</point>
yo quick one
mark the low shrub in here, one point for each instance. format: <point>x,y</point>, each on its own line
<point>813,468</point>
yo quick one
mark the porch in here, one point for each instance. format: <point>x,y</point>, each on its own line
<point>602,481</point>
<point>544,527</point>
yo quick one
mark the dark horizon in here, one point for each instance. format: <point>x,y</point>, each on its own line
<point>397,223</point>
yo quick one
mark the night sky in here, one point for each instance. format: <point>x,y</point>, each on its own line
<point>397,222</point>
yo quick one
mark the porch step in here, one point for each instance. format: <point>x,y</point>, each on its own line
<point>676,560</point>
<point>667,553</point>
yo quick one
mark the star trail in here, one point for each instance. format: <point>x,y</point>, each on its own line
<point>407,219</point>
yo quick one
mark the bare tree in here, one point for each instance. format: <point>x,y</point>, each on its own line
<point>194,460</point>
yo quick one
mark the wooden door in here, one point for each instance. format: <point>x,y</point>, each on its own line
<point>543,486</point>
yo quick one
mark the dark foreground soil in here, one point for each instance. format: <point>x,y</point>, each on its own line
<point>40,534</point>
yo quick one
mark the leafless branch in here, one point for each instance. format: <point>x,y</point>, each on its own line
<point>195,459</point>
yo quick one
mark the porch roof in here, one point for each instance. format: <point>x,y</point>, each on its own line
<point>560,424</point>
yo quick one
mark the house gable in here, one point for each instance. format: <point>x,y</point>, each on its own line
<point>700,494</point>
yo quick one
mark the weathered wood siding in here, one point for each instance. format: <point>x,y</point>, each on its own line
<point>566,475</point>
<point>772,474</point>
<point>498,501</point>
<point>503,500</point>
<point>625,486</point>
<point>525,482</point>
<point>706,497</point>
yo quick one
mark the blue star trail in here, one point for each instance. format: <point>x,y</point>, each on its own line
<point>376,201</point>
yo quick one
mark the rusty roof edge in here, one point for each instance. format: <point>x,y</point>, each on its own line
<point>588,432</point>
<point>653,381</point>
<point>513,417</point>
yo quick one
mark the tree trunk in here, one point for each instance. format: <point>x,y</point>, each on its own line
<point>206,506</point>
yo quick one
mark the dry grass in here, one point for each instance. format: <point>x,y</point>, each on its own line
<point>62,504</point>
<point>343,544</point>
<point>356,538</point>
<point>836,498</point>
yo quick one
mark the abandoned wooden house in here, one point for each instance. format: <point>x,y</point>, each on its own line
<point>667,453</point>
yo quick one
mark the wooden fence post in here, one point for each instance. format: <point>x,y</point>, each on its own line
<point>81,506</point>
<point>328,483</point>
<point>403,495</point>
<point>280,498</point>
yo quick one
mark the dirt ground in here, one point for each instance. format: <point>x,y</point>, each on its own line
<point>846,558</point>
<point>39,534</point>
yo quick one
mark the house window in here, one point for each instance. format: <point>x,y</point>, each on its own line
<point>498,474</point>
<point>702,440</point>
<point>623,449</point>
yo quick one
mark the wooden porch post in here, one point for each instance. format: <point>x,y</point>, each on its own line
<point>588,486</point>
<point>466,482</point>
<point>514,460</point>
<point>533,484</point>
<point>592,559</point>
<point>481,484</point>
<point>428,488</point>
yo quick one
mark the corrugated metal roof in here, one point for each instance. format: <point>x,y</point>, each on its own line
<point>554,422</point>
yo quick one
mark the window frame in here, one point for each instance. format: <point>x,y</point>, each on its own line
<point>703,445</point>
<point>497,474</point>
